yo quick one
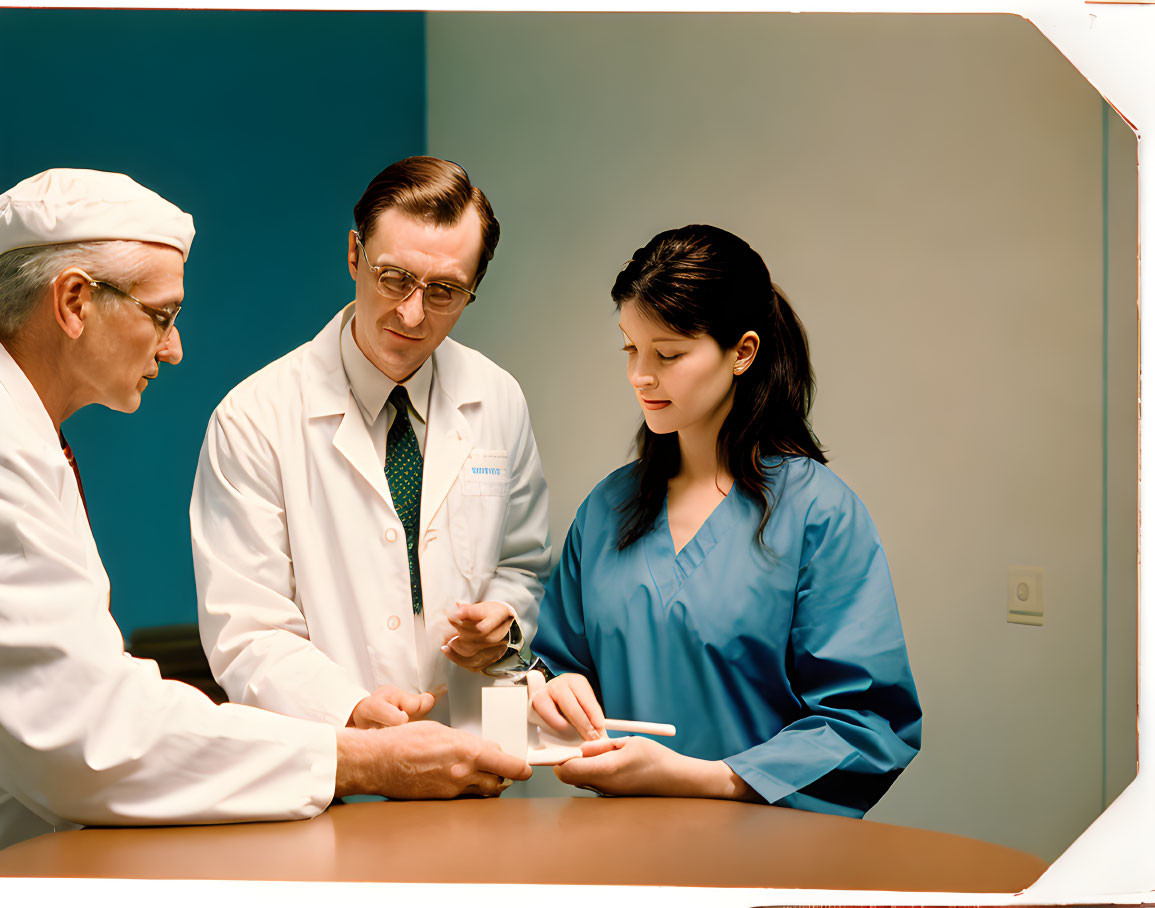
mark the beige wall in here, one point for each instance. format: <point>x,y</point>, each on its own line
<point>928,191</point>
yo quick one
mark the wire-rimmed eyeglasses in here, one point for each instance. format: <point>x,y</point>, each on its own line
<point>397,284</point>
<point>162,317</point>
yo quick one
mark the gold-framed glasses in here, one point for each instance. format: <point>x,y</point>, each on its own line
<point>162,317</point>
<point>397,284</point>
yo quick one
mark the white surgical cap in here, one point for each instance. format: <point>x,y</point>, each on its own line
<point>63,205</point>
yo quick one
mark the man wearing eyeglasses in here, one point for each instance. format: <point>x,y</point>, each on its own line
<point>369,518</point>
<point>91,280</point>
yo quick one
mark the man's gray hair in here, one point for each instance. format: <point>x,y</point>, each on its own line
<point>25,275</point>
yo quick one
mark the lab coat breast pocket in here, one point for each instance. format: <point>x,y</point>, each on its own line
<point>478,507</point>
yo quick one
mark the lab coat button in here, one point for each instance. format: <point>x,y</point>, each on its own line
<point>390,535</point>
<point>394,622</point>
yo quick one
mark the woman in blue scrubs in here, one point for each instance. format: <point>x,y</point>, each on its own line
<point>726,581</point>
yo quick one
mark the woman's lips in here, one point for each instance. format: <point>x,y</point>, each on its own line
<point>655,404</point>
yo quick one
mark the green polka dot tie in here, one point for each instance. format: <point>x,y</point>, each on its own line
<point>403,472</point>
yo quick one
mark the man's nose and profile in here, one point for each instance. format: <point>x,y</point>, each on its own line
<point>369,524</point>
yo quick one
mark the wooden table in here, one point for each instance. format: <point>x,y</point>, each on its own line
<point>609,841</point>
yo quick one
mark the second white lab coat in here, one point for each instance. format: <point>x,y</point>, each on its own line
<point>300,557</point>
<point>89,734</point>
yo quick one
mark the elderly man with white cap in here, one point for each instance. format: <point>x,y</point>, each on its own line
<point>91,281</point>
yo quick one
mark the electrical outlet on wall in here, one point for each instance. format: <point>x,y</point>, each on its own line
<point>1024,595</point>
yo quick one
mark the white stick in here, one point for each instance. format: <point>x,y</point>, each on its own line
<point>641,728</point>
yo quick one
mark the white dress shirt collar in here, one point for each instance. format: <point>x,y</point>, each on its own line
<point>371,387</point>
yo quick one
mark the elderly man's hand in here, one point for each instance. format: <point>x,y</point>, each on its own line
<point>482,634</point>
<point>389,705</point>
<point>422,760</point>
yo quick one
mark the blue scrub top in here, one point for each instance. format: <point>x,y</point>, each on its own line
<point>785,659</point>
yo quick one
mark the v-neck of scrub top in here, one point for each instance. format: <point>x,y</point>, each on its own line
<point>671,569</point>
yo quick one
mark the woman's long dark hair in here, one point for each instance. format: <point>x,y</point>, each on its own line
<point>703,280</point>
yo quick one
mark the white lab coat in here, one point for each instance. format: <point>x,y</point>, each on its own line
<point>89,734</point>
<point>300,557</point>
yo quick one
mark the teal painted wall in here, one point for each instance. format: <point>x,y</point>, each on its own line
<point>266,127</point>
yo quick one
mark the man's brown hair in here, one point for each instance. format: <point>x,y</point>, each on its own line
<point>428,188</point>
